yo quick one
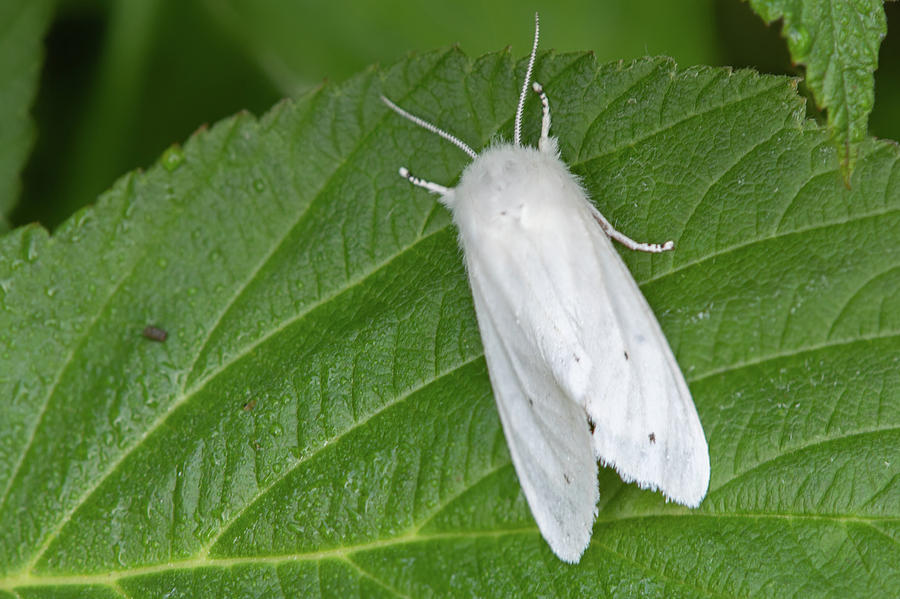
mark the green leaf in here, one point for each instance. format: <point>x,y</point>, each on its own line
<point>22,24</point>
<point>320,421</point>
<point>299,44</point>
<point>113,93</point>
<point>122,81</point>
<point>838,42</point>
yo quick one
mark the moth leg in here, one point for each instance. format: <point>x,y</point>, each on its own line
<point>653,248</point>
<point>432,187</point>
<point>544,144</point>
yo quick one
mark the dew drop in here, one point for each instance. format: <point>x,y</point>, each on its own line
<point>172,158</point>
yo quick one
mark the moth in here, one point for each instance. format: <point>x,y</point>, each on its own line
<point>579,366</point>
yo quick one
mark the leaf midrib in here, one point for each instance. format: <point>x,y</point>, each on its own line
<point>113,576</point>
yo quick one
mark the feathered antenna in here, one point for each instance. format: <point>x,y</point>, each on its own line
<point>518,132</point>
<point>433,128</point>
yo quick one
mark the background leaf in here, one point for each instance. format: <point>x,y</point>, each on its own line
<point>838,42</point>
<point>124,80</point>
<point>22,22</point>
<point>320,422</point>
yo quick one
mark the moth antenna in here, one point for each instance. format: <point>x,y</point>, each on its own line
<point>544,143</point>
<point>517,139</point>
<point>433,128</point>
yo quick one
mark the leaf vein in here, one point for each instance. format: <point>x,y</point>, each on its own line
<point>333,440</point>
<point>365,574</point>
<point>778,235</point>
<point>671,125</point>
<point>788,354</point>
<point>787,453</point>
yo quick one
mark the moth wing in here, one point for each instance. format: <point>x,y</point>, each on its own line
<point>547,433</point>
<point>646,425</point>
<point>574,315</point>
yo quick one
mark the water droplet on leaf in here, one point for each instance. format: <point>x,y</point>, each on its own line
<point>172,158</point>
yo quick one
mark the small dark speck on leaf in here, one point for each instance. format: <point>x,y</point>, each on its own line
<point>155,333</point>
<point>249,405</point>
<point>592,425</point>
<point>568,480</point>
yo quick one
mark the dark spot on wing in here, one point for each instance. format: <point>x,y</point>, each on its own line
<point>652,437</point>
<point>568,480</point>
<point>592,425</point>
<point>626,355</point>
<point>530,402</point>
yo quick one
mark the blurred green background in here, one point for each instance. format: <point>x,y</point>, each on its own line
<point>123,80</point>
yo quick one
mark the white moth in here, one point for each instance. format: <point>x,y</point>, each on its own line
<point>580,368</point>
